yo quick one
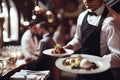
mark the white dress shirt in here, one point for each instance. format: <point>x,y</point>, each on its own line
<point>29,44</point>
<point>109,37</point>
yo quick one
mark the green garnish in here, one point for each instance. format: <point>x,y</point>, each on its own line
<point>75,66</point>
<point>58,46</point>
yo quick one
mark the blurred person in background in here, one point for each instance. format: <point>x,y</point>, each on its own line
<point>59,35</point>
<point>73,27</point>
<point>98,33</point>
<point>44,62</point>
<point>46,42</point>
<point>29,41</point>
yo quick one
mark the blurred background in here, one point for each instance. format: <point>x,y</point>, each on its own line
<point>16,14</point>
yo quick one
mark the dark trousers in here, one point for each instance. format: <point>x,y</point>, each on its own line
<point>107,75</point>
<point>116,73</point>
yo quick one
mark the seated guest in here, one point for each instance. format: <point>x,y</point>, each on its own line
<point>29,41</point>
<point>43,62</point>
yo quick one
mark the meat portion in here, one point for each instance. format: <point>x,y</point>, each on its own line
<point>85,64</point>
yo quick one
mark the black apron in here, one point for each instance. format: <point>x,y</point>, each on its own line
<point>90,41</point>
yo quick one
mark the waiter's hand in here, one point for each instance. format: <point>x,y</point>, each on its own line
<point>68,47</point>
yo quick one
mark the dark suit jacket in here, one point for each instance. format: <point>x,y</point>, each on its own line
<point>43,62</point>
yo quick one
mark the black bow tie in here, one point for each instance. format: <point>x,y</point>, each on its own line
<point>92,13</point>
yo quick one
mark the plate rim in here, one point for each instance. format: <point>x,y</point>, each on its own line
<point>58,55</point>
<point>59,62</point>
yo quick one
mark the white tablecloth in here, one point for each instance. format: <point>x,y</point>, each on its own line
<point>31,75</point>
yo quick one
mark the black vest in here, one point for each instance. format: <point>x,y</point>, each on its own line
<point>90,40</point>
<point>90,36</point>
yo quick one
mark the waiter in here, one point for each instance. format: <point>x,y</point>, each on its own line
<point>98,33</point>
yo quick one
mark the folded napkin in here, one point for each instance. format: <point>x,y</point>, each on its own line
<point>32,75</point>
<point>20,62</point>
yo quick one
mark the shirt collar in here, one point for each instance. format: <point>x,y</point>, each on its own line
<point>99,10</point>
<point>45,35</point>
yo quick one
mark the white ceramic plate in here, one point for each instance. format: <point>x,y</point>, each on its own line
<point>102,64</point>
<point>48,52</point>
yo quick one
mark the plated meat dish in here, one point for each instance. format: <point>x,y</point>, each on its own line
<point>58,50</point>
<point>79,63</point>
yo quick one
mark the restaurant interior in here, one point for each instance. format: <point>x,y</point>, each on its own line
<point>15,16</point>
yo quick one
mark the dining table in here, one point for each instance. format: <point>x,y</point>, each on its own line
<point>10,69</point>
<point>10,72</point>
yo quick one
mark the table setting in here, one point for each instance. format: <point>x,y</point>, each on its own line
<point>30,75</point>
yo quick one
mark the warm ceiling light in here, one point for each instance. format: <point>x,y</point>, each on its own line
<point>50,20</point>
<point>37,8</point>
<point>33,16</point>
<point>48,12</point>
<point>59,15</point>
<point>50,16</point>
